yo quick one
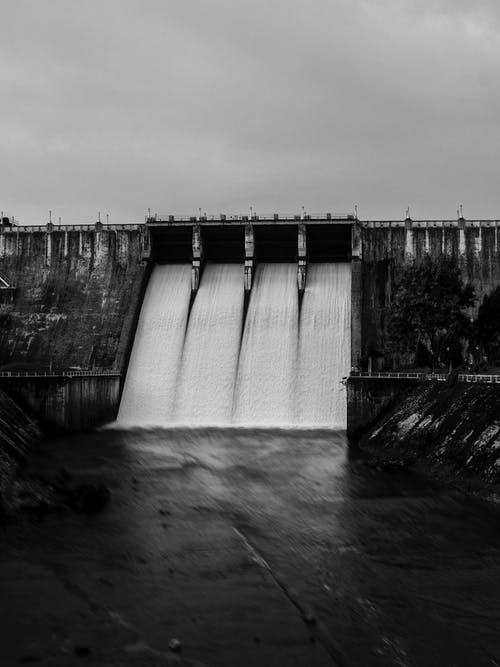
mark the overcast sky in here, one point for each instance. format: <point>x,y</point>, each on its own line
<point>121,105</point>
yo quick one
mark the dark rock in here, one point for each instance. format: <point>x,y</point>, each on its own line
<point>394,465</point>
<point>30,659</point>
<point>105,581</point>
<point>82,651</point>
<point>309,617</point>
<point>88,497</point>
<point>62,478</point>
<point>175,645</point>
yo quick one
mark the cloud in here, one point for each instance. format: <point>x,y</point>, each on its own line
<point>119,105</point>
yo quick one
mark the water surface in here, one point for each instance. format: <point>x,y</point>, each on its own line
<point>226,538</point>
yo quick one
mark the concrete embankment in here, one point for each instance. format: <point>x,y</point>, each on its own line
<point>76,293</point>
<point>18,432</point>
<point>387,248</point>
<point>73,302</point>
<point>67,402</point>
<point>453,433</point>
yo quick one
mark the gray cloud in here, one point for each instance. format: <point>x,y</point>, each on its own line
<point>119,105</point>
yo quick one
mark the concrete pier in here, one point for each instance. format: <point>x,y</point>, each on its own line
<point>302,258</point>
<point>72,403</point>
<point>249,257</point>
<point>197,258</point>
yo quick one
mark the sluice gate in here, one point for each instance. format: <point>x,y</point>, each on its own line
<point>245,323</point>
<point>250,240</point>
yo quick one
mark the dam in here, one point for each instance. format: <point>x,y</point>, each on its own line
<point>241,521</point>
<point>238,328</point>
<point>223,320</point>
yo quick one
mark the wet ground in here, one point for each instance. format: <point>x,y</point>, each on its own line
<point>251,548</point>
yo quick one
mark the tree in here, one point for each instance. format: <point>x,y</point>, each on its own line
<point>429,307</point>
<point>486,329</point>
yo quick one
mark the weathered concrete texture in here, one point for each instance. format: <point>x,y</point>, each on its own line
<point>356,311</point>
<point>75,404</point>
<point>77,293</point>
<point>369,399</point>
<point>387,249</point>
<point>449,431</point>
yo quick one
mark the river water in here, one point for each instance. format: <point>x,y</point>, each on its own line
<point>234,541</point>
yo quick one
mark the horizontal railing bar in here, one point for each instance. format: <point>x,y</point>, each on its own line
<point>169,217</point>
<point>462,377</point>
<point>75,373</point>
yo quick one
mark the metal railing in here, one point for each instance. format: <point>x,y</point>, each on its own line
<point>439,377</point>
<point>473,377</point>
<point>256,217</point>
<point>399,375</point>
<point>56,374</point>
<point>73,227</point>
<point>429,224</point>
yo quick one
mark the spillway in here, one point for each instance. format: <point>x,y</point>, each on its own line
<point>266,374</point>
<point>149,391</point>
<point>210,355</point>
<point>280,365</point>
<point>324,346</point>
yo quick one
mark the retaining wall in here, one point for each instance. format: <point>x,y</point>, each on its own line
<point>76,294</point>
<point>387,247</point>
<point>452,432</point>
<point>69,403</point>
<point>368,399</point>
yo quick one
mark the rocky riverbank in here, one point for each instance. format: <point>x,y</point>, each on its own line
<point>18,434</point>
<point>449,432</point>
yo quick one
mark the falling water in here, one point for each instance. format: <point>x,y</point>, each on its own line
<point>283,369</point>
<point>148,395</point>
<point>210,356</point>
<point>324,346</point>
<point>266,375</point>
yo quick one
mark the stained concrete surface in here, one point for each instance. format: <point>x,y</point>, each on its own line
<point>251,548</point>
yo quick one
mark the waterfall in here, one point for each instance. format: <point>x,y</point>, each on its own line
<point>278,366</point>
<point>324,346</point>
<point>266,375</point>
<point>210,356</point>
<point>149,391</point>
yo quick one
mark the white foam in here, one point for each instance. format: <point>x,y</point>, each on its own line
<point>150,385</point>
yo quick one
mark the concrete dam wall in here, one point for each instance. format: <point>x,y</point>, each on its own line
<point>70,296</point>
<point>75,293</point>
<point>387,247</point>
<point>70,299</point>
